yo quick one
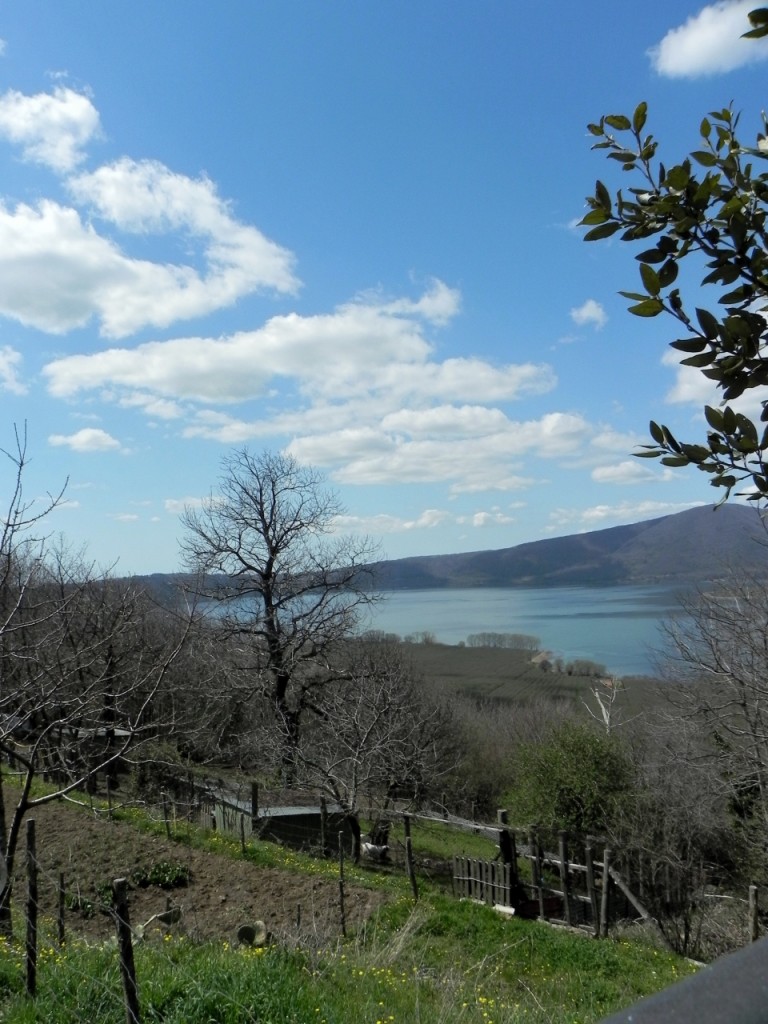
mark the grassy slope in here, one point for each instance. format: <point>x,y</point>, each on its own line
<point>439,960</point>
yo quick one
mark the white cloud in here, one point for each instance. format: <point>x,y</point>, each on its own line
<point>125,517</point>
<point>357,350</point>
<point>590,312</point>
<point>89,439</point>
<point>384,523</point>
<point>3,47</point>
<point>160,408</point>
<point>445,421</point>
<point>630,471</point>
<point>480,520</point>
<point>709,42</point>
<point>371,455</point>
<point>52,129</point>
<point>57,272</point>
<point>175,506</point>
<point>145,197</point>
<point>58,269</point>
<point>10,364</point>
<point>691,387</point>
<point>597,516</point>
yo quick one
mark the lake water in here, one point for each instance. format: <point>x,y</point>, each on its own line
<point>615,626</point>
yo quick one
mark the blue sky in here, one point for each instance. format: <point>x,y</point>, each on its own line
<point>345,230</point>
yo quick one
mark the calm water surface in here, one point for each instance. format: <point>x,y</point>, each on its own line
<point>616,626</point>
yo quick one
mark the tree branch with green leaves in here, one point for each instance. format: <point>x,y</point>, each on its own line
<point>709,209</point>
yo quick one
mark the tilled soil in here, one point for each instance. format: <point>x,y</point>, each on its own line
<point>222,893</point>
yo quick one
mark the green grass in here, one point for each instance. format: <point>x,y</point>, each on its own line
<point>441,961</point>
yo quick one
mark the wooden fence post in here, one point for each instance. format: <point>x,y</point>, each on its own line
<point>31,942</point>
<point>409,857</point>
<point>564,876</point>
<point>125,948</point>
<point>254,802</point>
<point>61,905</point>
<point>324,826</point>
<point>341,884</point>
<point>536,872</point>
<point>753,909</point>
<point>604,895</point>
<point>166,818</point>
<point>591,890</point>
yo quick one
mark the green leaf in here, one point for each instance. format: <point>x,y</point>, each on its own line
<point>639,116</point>
<point>594,217</point>
<point>714,417</point>
<point>708,323</point>
<point>741,294</point>
<point>651,256</point>
<point>603,196</point>
<point>705,359</point>
<point>678,177</point>
<point>668,273</point>
<point>650,279</point>
<point>649,307</point>
<point>602,231</point>
<point>675,461</point>
<point>704,158</point>
<point>656,432</point>
<point>706,128</point>
<point>696,453</point>
<point>689,344</point>
<point>595,129</point>
<point>618,121</point>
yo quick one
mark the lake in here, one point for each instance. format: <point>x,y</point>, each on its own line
<point>615,626</point>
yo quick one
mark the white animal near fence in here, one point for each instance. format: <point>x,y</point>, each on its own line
<point>371,851</point>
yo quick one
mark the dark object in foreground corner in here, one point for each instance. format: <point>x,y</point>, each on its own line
<point>732,990</point>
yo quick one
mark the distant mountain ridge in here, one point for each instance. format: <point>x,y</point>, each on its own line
<point>692,546</point>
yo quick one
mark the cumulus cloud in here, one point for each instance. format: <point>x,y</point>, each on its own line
<point>10,364</point>
<point>359,349</point>
<point>52,129</point>
<point>466,463</point>
<point>56,273</point>
<point>590,313</point>
<point>63,265</point>
<point>89,439</point>
<point>709,42</point>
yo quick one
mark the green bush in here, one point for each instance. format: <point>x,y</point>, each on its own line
<point>577,780</point>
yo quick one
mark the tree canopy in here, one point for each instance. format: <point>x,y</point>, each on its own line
<point>709,210</point>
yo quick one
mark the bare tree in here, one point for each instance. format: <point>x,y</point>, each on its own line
<point>78,678</point>
<point>717,653</point>
<point>282,583</point>
<point>380,733</point>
